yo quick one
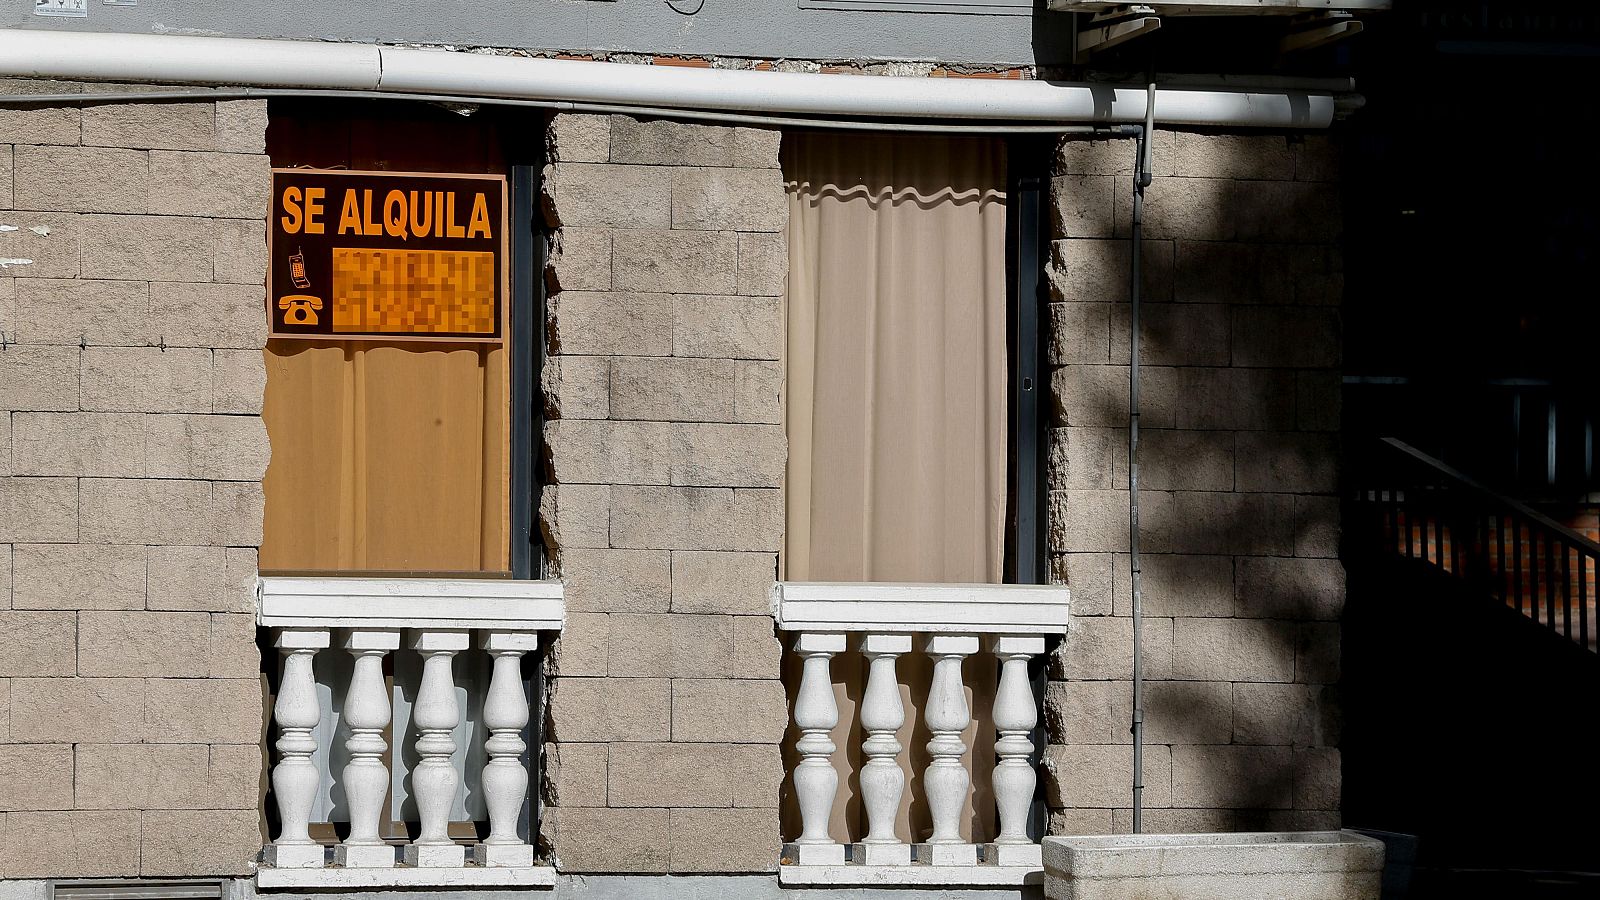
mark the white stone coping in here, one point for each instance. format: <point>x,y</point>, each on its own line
<point>443,603</point>
<point>955,608</point>
<point>1243,853</point>
<point>408,877</point>
<point>913,875</point>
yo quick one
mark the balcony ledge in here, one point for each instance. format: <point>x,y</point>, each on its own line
<point>1014,609</point>
<point>333,877</point>
<point>912,875</point>
<point>437,603</point>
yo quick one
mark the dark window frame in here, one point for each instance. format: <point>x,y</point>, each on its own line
<point>529,250</point>
<point>527,357</point>
<point>1027,248</point>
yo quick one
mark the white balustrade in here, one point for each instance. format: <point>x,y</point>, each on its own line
<point>294,778</point>
<point>1012,623</point>
<point>946,780</point>
<point>433,779</point>
<point>816,782</point>
<point>438,619</point>
<point>883,783</point>
<point>366,778</point>
<point>505,780</point>
<point>1016,713</point>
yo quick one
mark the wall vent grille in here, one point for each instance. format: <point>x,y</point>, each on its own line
<point>136,890</point>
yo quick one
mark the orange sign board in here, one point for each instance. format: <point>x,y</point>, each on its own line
<point>386,256</point>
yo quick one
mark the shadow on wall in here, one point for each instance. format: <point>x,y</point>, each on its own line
<point>1242,585</point>
<point>1240,518</point>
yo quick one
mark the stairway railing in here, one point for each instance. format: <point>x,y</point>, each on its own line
<point>1418,507</point>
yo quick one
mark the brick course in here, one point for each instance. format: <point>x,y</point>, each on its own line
<point>131,455</point>
<point>1238,472</point>
<point>666,330</point>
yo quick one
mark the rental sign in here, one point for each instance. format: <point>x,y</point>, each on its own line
<point>386,256</point>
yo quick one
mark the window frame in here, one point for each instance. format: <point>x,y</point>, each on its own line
<point>528,251</point>
<point>523,150</point>
<point>1027,248</point>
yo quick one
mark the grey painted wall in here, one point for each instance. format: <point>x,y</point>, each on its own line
<point>768,29</point>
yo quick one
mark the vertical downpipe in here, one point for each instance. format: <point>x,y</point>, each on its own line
<point>1141,179</point>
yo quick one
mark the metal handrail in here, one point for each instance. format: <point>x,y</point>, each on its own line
<point>1559,531</point>
<point>1518,555</point>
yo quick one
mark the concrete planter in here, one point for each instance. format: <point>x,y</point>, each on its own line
<point>1305,865</point>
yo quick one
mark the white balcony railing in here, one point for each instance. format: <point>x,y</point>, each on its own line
<point>949,622</point>
<point>431,747</point>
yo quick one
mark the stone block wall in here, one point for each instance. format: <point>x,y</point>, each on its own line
<point>1242,585</point>
<point>132,259</point>
<point>663,508</point>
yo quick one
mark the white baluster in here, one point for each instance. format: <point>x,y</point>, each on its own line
<point>815,780</point>
<point>505,779</point>
<point>1015,714</point>
<point>946,780</point>
<point>434,778</point>
<point>366,778</point>
<point>882,781</point>
<point>295,778</point>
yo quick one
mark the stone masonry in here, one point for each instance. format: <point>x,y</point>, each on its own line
<point>131,455</point>
<point>663,508</point>
<point>1240,413</point>
<point>132,450</point>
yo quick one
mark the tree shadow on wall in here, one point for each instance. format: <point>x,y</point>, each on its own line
<point>1239,516</point>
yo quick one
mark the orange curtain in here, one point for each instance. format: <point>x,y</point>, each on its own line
<point>386,458</point>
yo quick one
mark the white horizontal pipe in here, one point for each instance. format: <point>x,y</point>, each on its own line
<point>173,59</point>
<point>840,95</point>
<point>304,64</point>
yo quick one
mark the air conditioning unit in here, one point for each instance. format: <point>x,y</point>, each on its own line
<point>1312,23</point>
<point>1225,7</point>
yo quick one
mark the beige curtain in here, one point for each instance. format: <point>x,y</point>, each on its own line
<point>896,410</point>
<point>386,458</point>
<point>896,394</point>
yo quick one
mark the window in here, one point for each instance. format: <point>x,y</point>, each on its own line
<point>907,400</point>
<point>912,404</point>
<point>408,450</point>
<point>404,454</point>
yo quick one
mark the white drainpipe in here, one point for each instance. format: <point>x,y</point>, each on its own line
<point>171,59</point>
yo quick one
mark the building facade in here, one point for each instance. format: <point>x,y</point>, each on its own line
<point>228,566</point>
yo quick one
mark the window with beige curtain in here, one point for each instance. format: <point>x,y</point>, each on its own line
<point>896,396</point>
<point>896,406</point>
<point>386,457</point>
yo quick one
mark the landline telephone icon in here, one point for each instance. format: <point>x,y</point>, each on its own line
<point>299,309</point>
